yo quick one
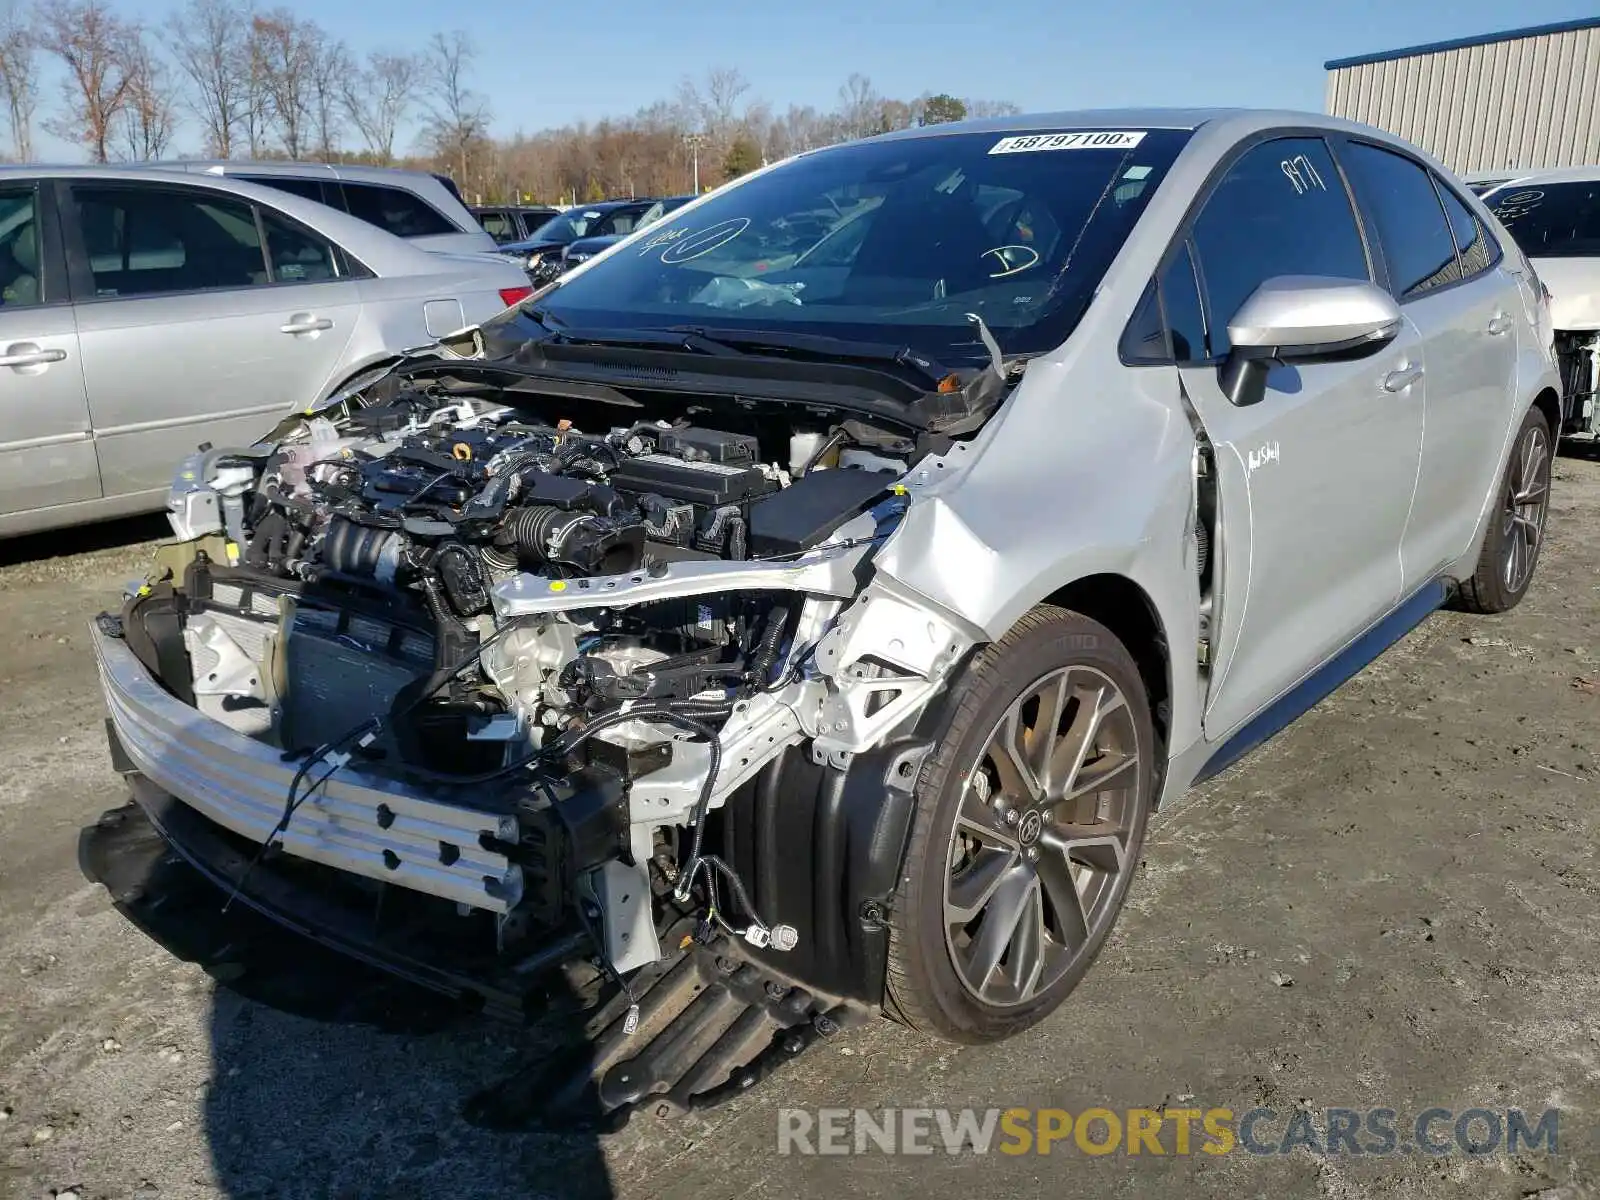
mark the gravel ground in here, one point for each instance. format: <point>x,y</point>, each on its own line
<point>1394,904</point>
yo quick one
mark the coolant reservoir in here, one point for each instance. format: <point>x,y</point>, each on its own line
<point>802,446</point>
<point>866,460</point>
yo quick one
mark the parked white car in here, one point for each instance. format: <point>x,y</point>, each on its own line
<point>143,313</point>
<point>1554,215</point>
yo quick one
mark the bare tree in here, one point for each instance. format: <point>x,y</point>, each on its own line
<point>91,42</point>
<point>860,106</point>
<point>209,43</point>
<point>149,117</point>
<point>285,51</point>
<point>19,80</point>
<point>378,97</point>
<point>458,116</point>
<point>331,66</point>
<point>256,108</point>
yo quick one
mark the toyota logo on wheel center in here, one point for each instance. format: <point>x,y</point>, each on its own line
<point>1030,827</point>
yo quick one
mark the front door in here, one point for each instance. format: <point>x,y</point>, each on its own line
<point>197,328</point>
<point>1315,481</point>
<point>47,454</point>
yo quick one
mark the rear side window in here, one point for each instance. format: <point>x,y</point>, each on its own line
<point>1477,251</point>
<point>311,189</point>
<point>1399,195</point>
<point>402,213</point>
<point>297,255</point>
<point>498,225</point>
<point>21,275</point>
<point>1280,210</point>
<point>147,241</point>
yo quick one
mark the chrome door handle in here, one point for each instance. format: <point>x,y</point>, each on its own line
<point>26,354</point>
<point>1399,380</point>
<point>306,323</point>
<point>1499,323</point>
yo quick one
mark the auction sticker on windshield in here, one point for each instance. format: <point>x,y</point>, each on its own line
<point>1109,139</point>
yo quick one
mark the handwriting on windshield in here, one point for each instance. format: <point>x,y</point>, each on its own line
<point>682,245</point>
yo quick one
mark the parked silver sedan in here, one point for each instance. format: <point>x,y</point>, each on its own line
<point>142,313</point>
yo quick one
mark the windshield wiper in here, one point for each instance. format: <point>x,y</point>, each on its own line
<point>671,339</point>
<point>816,344</point>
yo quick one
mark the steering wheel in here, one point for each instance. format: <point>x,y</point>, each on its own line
<point>1012,260</point>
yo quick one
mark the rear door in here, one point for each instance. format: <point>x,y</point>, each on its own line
<point>1315,480</point>
<point>1449,278</point>
<point>202,318</point>
<point>47,453</point>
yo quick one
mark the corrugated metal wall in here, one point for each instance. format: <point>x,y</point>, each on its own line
<point>1525,102</point>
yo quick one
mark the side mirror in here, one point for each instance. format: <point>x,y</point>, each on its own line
<point>1303,318</point>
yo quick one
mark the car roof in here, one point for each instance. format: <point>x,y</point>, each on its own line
<point>1225,122</point>
<point>352,171</point>
<point>376,248</point>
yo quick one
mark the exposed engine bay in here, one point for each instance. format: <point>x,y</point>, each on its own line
<point>1578,358</point>
<point>597,634</point>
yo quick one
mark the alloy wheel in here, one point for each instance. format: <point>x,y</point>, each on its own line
<point>1527,503</point>
<point>1042,836</point>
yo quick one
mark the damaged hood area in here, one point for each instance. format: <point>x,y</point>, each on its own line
<point>509,633</point>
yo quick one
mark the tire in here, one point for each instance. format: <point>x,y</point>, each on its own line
<point>1516,524</point>
<point>979,816</point>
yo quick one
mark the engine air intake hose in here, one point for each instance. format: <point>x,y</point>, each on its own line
<point>545,534</point>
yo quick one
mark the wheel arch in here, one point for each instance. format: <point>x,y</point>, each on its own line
<point>1125,608</point>
<point>1549,403</point>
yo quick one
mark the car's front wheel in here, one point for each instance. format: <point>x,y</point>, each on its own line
<point>1030,819</point>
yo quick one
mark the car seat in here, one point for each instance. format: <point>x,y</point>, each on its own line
<point>19,268</point>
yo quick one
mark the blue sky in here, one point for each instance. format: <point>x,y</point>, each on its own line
<point>549,63</point>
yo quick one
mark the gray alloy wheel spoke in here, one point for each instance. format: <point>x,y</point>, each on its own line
<point>1010,758</point>
<point>1041,836</point>
<point>1526,502</point>
<point>1026,961</point>
<point>1098,775</point>
<point>977,819</point>
<point>977,883</point>
<point>1006,909</point>
<point>1055,873</point>
<point>1042,739</point>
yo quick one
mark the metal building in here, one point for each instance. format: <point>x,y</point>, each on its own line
<point>1522,98</point>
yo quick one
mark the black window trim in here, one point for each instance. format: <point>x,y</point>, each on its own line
<point>1377,268</point>
<point>1344,141</point>
<point>80,276</point>
<point>54,292</point>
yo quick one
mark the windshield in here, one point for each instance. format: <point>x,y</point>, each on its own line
<point>895,240</point>
<point>1551,220</point>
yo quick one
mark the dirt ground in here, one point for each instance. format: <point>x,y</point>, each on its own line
<point>1395,904</point>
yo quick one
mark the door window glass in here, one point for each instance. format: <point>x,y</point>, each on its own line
<point>1169,325</point>
<point>1399,195</point>
<point>146,241</point>
<point>402,213</point>
<point>498,225</point>
<point>1280,210</point>
<point>1472,239</point>
<point>297,256</point>
<point>21,279</point>
<point>310,189</point>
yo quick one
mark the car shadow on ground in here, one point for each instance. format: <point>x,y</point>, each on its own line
<point>83,539</point>
<point>332,1079</point>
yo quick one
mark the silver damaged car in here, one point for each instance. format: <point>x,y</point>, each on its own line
<point>797,612</point>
